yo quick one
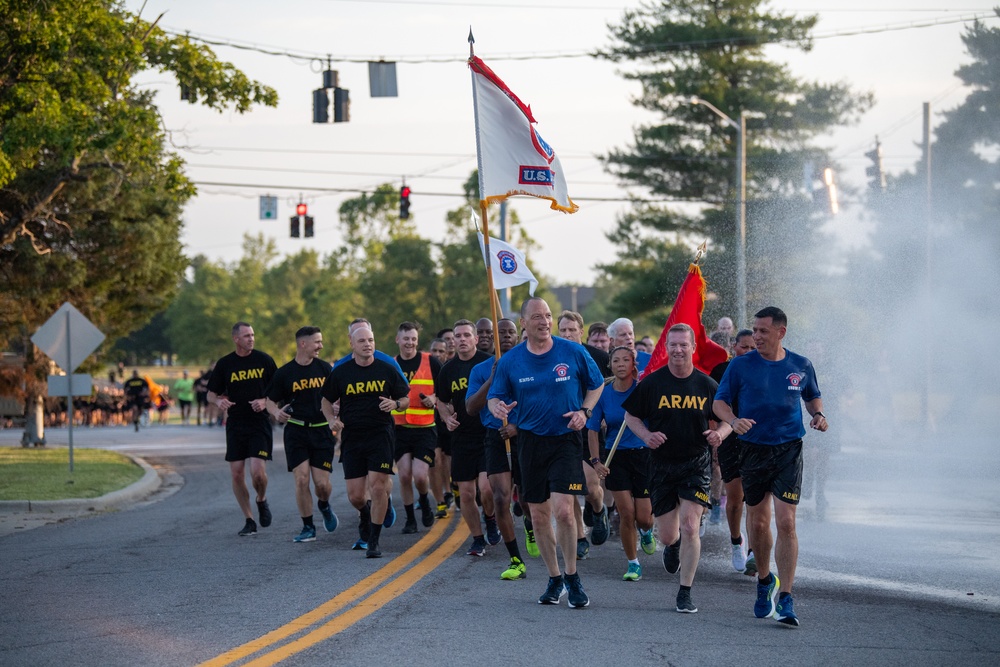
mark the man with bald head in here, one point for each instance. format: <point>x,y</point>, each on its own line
<point>484,330</point>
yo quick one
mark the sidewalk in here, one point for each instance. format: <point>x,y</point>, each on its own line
<point>20,515</point>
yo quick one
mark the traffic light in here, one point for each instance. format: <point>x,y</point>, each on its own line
<point>321,106</point>
<point>404,202</point>
<point>301,209</point>
<point>341,105</point>
<point>294,226</point>
<point>309,226</point>
<point>875,172</point>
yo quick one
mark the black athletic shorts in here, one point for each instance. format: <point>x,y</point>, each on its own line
<point>417,442</point>
<point>550,464</point>
<point>629,471</point>
<point>468,458</point>
<point>772,468</point>
<point>201,398</point>
<point>309,443</point>
<point>730,453</point>
<point>367,451</point>
<point>496,456</point>
<point>670,481</point>
<point>249,439</point>
<point>443,438</point>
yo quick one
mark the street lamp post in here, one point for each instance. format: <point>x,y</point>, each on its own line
<point>741,206</point>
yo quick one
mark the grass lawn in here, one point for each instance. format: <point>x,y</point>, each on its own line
<point>43,474</point>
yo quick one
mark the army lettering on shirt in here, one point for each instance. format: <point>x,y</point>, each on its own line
<point>451,386</point>
<point>360,389</point>
<point>243,379</point>
<point>300,387</point>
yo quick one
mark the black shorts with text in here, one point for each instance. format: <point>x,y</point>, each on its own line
<point>550,464</point>
<point>314,444</point>
<point>672,481</point>
<point>629,472</point>
<point>247,439</point>
<point>417,442</point>
<point>775,469</point>
<point>367,451</point>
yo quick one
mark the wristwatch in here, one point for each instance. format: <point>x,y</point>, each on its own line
<point>594,461</point>
<point>588,412</point>
<point>397,404</point>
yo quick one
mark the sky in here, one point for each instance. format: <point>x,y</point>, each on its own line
<point>427,135</point>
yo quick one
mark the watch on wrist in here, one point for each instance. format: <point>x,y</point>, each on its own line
<point>819,414</point>
<point>588,412</point>
<point>594,461</point>
<point>397,404</point>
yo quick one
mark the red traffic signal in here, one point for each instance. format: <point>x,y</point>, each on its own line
<point>404,202</point>
<point>301,209</point>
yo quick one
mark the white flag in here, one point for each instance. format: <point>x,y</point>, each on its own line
<point>513,157</point>
<point>509,267</point>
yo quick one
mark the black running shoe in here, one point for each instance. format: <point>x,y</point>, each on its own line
<point>426,513</point>
<point>672,557</point>
<point>264,512</point>
<point>410,526</point>
<point>556,589</point>
<point>373,550</point>
<point>602,527</point>
<point>684,603</point>
<point>249,528</point>
<point>577,597</point>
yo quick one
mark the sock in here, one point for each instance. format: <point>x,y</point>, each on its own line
<point>366,513</point>
<point>686,588</point>
<point>633,561</point>
<point>374,535</point>
<point>766,581</point>
<point>307,521</point>
<point>424,500</point>
<point>736,540</point>
<point>489,517</point>
<point>409,513</point>
<point>782,596</point>
<point>323,504</point>
<point>527,523</point>
<point>513,550</point>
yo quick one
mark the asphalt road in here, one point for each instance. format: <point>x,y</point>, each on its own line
<point>900,573</point>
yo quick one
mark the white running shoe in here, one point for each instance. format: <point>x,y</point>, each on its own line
<point>740,555</point>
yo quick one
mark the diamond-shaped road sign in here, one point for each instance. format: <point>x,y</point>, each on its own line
<point>68,337</point>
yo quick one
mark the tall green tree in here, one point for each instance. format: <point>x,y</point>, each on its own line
<point>714,50</point>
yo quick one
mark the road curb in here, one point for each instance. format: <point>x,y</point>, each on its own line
<point>145,486</point>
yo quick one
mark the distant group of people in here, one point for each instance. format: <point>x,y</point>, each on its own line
<point>503,423</point>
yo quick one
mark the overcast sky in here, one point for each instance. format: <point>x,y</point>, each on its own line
<point>427,133</point>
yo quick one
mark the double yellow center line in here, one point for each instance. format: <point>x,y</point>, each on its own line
<point>360,600</point>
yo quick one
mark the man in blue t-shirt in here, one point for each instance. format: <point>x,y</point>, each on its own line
<point>554,384</point>
<point>769,385</point>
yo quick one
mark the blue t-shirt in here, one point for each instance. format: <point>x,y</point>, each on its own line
<point>546,386</point>
<point>477,378</point>
<point>379,354</point>
<point>609,409</point>
<point>641,361</point>
<point>771,394</point>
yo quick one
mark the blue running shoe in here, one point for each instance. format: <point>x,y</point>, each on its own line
<point>493,536</point>
<point>360,545</point>
<point>785,612</point>
<point>390,515</point>
<point>634,572</point>
<point>554,591</point>
<point>602,527</point>
<point>308,534</point>
<point>330,520</point>
<point>764,606</point>
<point>478,547</point>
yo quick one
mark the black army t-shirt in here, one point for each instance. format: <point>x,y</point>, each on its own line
<point>300,387</point>
<point>360,389</point>
<point>451,385</point>
<point>241,380</point>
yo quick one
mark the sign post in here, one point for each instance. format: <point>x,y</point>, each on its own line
<point>68,338</point>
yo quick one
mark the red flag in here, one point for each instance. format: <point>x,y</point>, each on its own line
<point>687,310</point>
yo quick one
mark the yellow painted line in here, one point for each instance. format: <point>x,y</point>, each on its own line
<point>337,603</point>
<point>370,605</point>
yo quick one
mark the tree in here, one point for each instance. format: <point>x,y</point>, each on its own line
<point>90,195</point>
<point>714,50</point>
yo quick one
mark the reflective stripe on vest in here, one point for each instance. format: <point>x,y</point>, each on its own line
<point>422,383</point>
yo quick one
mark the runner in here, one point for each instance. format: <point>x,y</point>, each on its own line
<point>184,389</point>
<point>467,435</point>
<point>503,474</point>
<point>628,476</point>
<point>440,473</point>
<point>368,389</point>
<point>676,402</point>
<point>416,434</point>
<point>137,397</point>
<point>768,386</point>
<point>237,385</point>
<point>555,384</point>
<point>309,443</point>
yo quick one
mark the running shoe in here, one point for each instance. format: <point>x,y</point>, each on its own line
<point>634,572</point>
<point>602,528</point>
<point>442,512</point>
<point>516,570</point>
<point>390,515</point>
<point>672,557</point>
<point>577,597</point>
<point>684,603</point>
<point>588,515</point>
<point>308,534</point>
<point>784,612</point>
<point>764,606</point>
<point>410,526</point>
<point>701,526</point>
<point>582,548</point>
<point>530,545</point>
<point>360,545</point>
<point>449,498</point>
<point>751,569</point>
<point>554,592</point>
<point>249,528</point>
<point>647,542</point>
<point>264,511</point>
<point>478,547</point>
<point>740,555</point>
<point>330,520</point>
<point>373,550</point>
<point>426,513</point>
<point>715,516</point>
<point>492,532</point>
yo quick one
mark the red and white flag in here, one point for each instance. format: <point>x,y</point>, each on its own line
<point>687,310</point>
<point>513,157</point>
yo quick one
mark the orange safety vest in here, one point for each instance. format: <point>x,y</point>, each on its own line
<point>422,383</point>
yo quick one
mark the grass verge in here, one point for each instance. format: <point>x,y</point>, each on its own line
<point>43,474</point>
